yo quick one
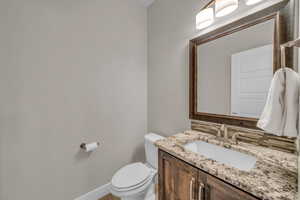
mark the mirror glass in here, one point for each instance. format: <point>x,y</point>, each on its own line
<point>235,72</point>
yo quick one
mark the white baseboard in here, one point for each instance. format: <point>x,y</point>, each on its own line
<point>96,194</point>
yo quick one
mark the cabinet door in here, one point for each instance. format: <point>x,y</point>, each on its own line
<point>218,190</point>
<point>177,180</point>
<point>186,181</point>
<point>166,179</point>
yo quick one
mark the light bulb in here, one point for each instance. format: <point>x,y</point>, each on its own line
<point>225,7</point>
<point>204,18</point>
<point>252,2</point>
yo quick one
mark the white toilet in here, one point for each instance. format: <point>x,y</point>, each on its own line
<point>136,181</point>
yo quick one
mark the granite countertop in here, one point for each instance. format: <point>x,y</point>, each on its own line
<point>274,176</point>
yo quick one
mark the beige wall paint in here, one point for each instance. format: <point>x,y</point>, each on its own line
<point>171,23</point>
<point>71,71</point>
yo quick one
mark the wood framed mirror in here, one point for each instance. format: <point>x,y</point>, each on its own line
<point>231,68</point>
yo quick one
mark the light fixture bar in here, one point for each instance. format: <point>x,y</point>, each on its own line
<point>221,8</point>
<point>210,4</point>
<point>247,2</point>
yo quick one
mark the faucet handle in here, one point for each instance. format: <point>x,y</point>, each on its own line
<point>234,137</point>
<point>220,129</point>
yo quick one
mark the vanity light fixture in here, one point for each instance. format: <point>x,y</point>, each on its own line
<point>252,2</point>
<point>225,7</point>
<point>221,7</point>
<point>204,18</point>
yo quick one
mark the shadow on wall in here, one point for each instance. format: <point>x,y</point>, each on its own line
<point>138,154</point>
<point>81,155</point>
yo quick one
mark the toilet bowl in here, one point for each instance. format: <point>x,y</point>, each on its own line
<point>133,182</point>
<point>136,181</point>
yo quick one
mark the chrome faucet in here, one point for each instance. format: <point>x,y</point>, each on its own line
<point>223,135</point>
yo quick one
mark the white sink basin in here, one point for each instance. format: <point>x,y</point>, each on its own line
<point>223,155</point>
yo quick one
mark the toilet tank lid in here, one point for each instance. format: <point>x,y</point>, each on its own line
<point>153,137</point>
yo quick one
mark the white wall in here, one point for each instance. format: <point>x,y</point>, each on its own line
<point>70,71</point>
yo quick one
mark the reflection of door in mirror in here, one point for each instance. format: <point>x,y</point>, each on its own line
<point>251,75</point>
<point>235,71</point>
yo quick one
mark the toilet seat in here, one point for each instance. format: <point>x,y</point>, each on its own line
<point>132,176</point>
<point>132,179</point>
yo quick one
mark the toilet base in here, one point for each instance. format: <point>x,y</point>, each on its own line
<point>149,194</point>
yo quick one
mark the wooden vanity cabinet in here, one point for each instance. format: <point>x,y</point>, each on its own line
<point>180,181</point>
<point>219,190</point>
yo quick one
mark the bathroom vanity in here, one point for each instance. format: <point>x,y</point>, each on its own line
<point>193,183</point>
<point>186,174</point>
<point>228,86</point>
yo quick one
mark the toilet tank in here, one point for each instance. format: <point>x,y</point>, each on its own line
<point>151,150</point>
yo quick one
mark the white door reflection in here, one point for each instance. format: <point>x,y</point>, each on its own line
<point>251,75</point>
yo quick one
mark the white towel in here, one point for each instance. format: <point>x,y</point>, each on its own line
<point>281,112</point>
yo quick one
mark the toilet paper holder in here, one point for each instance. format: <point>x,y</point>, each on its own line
<point>84,146</point>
